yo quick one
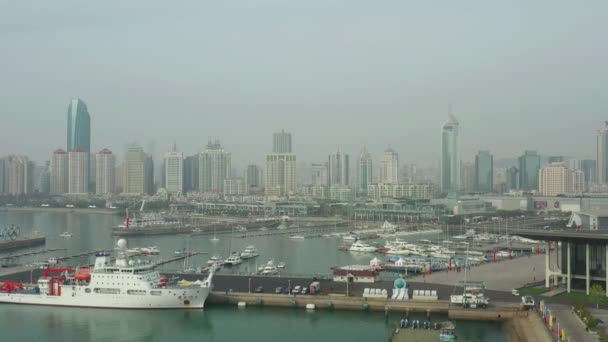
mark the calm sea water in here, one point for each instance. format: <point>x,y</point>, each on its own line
<point>216,323</point>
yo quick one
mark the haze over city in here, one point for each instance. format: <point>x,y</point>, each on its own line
<point>341,74</point>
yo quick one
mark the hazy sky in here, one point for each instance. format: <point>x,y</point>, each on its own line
<point>518,74</point>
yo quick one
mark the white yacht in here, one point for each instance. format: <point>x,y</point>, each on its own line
<point>297,237</point>
<point>233,259</point>
<point>249,252</point>
<point>122,284</point>
<point>362,247</point>
<point>350,237</point>
<point>281,265</point>
<point>270,268</point>
<point>66,235</point>
<point>150,250</point>
<point>215,259</point>
<point>197,230</point>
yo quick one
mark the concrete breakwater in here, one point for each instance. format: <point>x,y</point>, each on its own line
<point>22,243</point>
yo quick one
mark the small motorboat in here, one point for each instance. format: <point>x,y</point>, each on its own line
<point>181,251</point>
<point>281,265</point>
<point>66,235</point>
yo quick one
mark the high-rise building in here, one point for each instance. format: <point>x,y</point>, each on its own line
<point>467,177</point>
<point>3,177</point>
<point>20,172</point>
<point>588,166</point>
<point>149,185</point>
<point>574,164</point>
<point>79,126</point>
<point>450,156</point>
<point>281,142</point>
<point>174,171</point>
<point>234,187</point>
<point>529,165</point>
<point>104,175</point>
<point>43,183</point>
<point>191,173</point>
<point>557,179</point>
<point>388,168</point>
<point>59,172</point>
<point>408,173</point>
<point>602,156</point>
<point>214,167</point>
<point>253,179</point>
<point>364,170</point>
<point>512,178</point>
<point>318,174</point>
<point>338,172</point>
<point>78,171</point>
<point>134,178</point>
<point>484,172</point>
<point>280,174</point>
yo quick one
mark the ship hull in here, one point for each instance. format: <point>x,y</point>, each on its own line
<point>174,298</point>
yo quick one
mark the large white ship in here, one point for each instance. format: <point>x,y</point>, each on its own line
<point>124,284</point>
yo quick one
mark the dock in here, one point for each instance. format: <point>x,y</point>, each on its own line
<point>22,243</point>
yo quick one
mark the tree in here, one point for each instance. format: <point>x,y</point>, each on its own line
<point>596,293</point>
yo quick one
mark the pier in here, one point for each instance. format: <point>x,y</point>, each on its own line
<point>22,243</point>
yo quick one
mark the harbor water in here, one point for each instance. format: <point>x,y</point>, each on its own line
<point>216,323</point>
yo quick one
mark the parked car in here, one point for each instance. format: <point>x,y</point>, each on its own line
<point>297,289</point>
<point>304,290</point>
<point>278,290</point>
<point>259,289</point>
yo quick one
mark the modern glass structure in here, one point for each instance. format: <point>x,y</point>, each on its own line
<point>450,156</point>
<point>484,172</point>
<point>338,170</point>
<point>529,165</point>
<point>79,126</point>
<point>365,170</point>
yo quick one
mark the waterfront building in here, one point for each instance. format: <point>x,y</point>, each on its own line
<point>364,170</point>
<point>78,171</point>
<point>281,142</point>
<point>79,126</point>
<point>529,165</point>
<point>484,172</point>
<point>557,179</point>
<point>43,178</point>
<point>467,177</point>
<point>134,171</point>
<point>338,172</point>
<point>191,164</point>
<point>388,168</point>
<point>318,174</point>
<point>20,172</point>
<point>588,166</point>
<point>601,173</point>
<point>174,171</point>
<point>234,187</point>
<point>341,193</point>
<point>59,172</point>
<point>105,173</point>
<point>253,179</point>
<point>280,174</point>
<point>413,191</point>
<point>316,192</point>
<point>450,156</point>
<point>214,168</point>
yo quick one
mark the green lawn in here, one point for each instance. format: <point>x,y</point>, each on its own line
<point>579,297</point>
<point>532,291</point>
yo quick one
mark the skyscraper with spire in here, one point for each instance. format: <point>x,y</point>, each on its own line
<point>450,156</point>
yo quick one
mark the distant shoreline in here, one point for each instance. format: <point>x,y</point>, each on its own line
<point>60,210</point>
